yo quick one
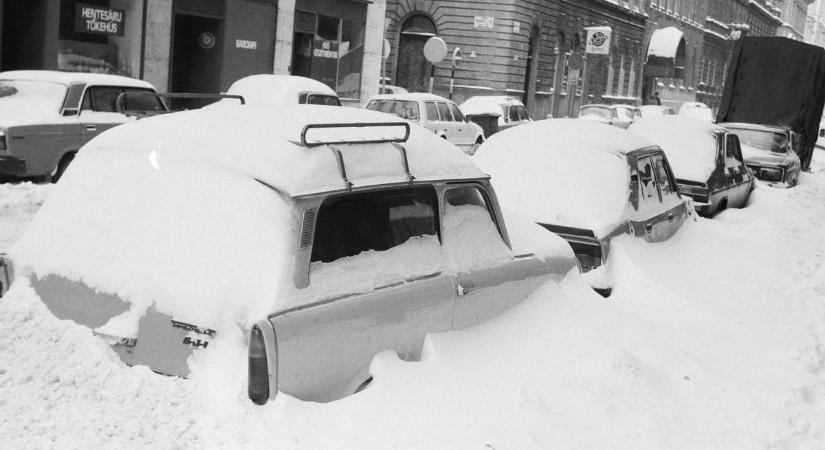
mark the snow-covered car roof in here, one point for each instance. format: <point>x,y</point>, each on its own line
<point>55,76</point>
<point>487,104</point>
<point>264,142</point>
<point>410,96</point>
<point>698,110</point>
<point>562,171</point>
<point>689,143</point>
<point>656,110</point>
<point>276,89</point>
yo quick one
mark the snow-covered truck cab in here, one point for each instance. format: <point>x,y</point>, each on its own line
<point>336,235</point>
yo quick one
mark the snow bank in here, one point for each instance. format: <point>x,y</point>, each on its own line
<point>690,144</point>
<point>562,171</point>
<point>18,205</point>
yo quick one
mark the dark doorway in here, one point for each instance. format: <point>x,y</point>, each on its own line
<point>530,71</point>
<point>23,35</point>
<point>196,58</point>
<point>413,72</point>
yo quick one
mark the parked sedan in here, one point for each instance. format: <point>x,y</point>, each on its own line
<point>268,89</point>
<point>46,116</point>
<point>769,152</point>
<point>705,158</point>
<point>586,181</point>
<point>617,115</point>
<point>435,113</point>
<point>335,235</point>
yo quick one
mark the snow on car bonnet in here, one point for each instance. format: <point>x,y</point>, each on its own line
<point>562,171</point>
<point>167,210</point>
<point>689,143</point>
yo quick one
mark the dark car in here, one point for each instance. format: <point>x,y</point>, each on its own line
<point>706,159</point>
<point>46,116</point>
<point>769,152</point>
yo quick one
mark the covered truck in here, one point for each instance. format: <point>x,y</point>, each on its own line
<point>776,81</point>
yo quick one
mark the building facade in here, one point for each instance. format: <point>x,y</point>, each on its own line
<point>815,24</point>
<point>794,16</point>
<point>199,45</point>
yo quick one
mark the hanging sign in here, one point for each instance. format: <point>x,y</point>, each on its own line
<point>598,40</point>
<point>99,20</point>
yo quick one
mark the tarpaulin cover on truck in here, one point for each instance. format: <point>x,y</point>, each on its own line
<point>776,81</point>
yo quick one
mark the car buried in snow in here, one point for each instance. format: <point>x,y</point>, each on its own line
<point>270,89</point>
<point>46,116</point>
<point>585,181</point>
<point>336,235</point>
<point>705,158</point>
<point>769,152</point>
<point>617,115</point>
<point>494,113</point>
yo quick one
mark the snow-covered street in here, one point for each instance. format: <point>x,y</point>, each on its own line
<point>712,339</point>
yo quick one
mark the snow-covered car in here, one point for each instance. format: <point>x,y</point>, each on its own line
<point>656,110</point>
<point>617,115</point>
<point>495,112</point>
<point>269,89</point>
<point>705,158</point>
<point>337,234</point>
<point>697,110</point>
<point>433,112</point>
<point>46,116</point>
<point>586,181</point>
<point>769,152</point>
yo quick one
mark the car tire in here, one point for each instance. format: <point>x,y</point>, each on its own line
<point>60,168</point>
<point>474,147</point>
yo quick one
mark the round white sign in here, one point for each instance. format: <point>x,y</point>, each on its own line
<point>435,49</point>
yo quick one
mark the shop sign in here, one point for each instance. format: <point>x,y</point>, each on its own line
<point>246,44</point>
<point>99,20</point>
<point>325,49</point>
<point>598,40</point>
<point>483,22</point>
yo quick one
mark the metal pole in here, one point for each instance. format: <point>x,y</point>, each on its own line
<point>452,80</point>
<point>432,78</point>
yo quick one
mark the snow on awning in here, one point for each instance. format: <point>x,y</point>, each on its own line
<point>666,54</point>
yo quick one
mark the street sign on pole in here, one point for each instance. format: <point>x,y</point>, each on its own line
<point>385,53</point>
<point>435,49</point>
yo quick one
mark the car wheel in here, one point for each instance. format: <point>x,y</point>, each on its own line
<point>55,175</point>
<point>475,146</point>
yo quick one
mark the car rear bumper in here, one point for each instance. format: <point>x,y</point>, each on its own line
<point>12,167</point>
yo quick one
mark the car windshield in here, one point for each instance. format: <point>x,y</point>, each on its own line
<point>321,99</point>
<point>776,142</point>
<point>406,109</point>
<point>42,95</point>
<point>595,112</point>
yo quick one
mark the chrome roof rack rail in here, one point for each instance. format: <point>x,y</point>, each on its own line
<point>341,167</point>
<point>312,126</point>
<point>405,162</point>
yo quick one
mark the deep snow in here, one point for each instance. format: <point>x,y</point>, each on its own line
<point>712,339</point>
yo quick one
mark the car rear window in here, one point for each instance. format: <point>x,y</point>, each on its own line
<point>319,99</point>
<point>406,109</point>
<point>353,223</point>
<point>596,112</point>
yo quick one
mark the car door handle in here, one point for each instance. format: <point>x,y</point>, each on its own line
<point>670,217</point>
<point>649,227</point>
<point>91,127</point>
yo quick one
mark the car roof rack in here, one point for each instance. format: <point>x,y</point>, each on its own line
<point>339,157</point>
<point>122,105</point>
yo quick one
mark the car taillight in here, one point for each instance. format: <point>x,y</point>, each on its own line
<point>258,367</point>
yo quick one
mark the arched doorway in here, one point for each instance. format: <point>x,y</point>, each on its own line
<point>413,71</point>
<point>529,96</point>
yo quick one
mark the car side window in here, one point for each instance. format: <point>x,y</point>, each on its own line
<point>648,191</point>
<point>444,112</point>
<point>733,154</point>
<point>104,98</point>
<point>663,178</point>
<point>456,112</point>
<point>350,224</point>
<point>513,113</point>
<point>471,234</point>
<point>432,111</point>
